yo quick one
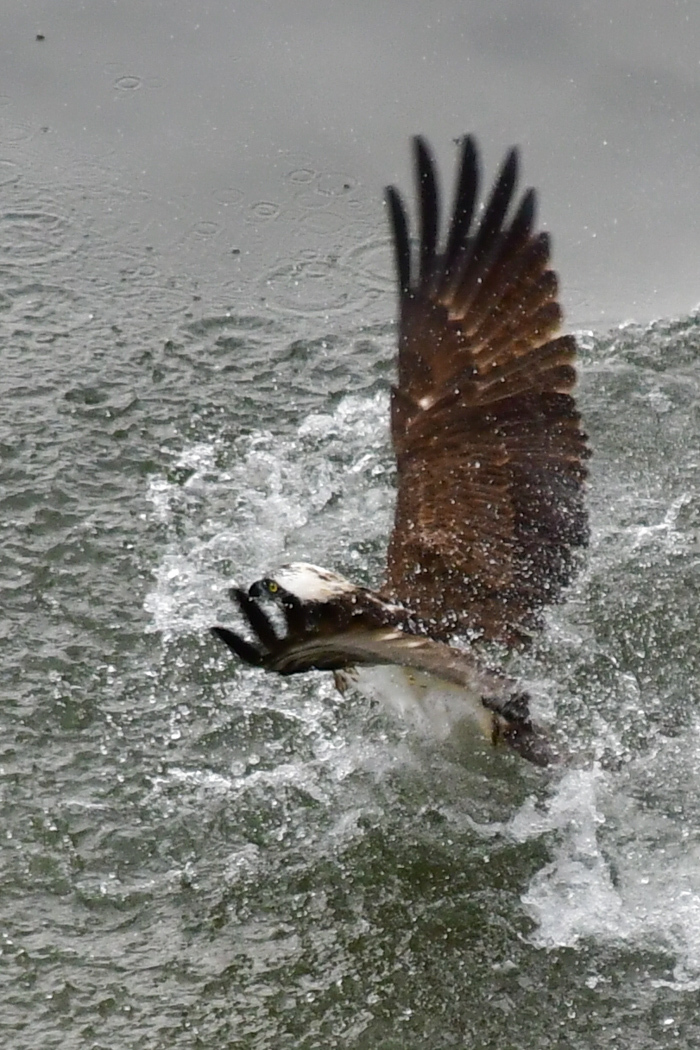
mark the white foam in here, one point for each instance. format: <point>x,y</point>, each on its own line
<point>621,872</point>
<point>572,897</point>
<point>315,493</point>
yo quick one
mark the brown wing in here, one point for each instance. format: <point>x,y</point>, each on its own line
<point>490,453</point>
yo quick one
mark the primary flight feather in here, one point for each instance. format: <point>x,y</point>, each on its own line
<point>490,473</point>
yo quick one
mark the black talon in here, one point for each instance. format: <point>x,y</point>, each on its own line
<point>517,708</point>
<point>237,595</point>
<point>532,743</point>
<point>259,622</point>
<point>243,649</point>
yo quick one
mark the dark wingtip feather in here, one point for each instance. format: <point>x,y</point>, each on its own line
<point>242,649</point>
<point>466,194</point>
<point>485,241</point>
<point>511,163</point>
<point>429,204</point>
<point>501,195</point>
<point>399,231</point>
<point>526,214</point>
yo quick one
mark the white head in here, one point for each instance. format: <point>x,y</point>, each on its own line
<point>310,583</point>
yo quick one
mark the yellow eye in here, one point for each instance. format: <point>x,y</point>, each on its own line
<point>272,587</point>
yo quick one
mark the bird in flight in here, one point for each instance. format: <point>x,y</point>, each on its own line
<point>491,465</point>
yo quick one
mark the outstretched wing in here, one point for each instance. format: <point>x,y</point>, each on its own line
<point>489,448</point>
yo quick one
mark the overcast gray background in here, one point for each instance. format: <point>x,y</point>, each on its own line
<point>195,113</point>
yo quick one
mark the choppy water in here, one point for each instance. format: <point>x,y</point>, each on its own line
<point>196,855</point>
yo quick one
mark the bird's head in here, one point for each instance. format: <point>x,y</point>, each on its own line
<point>288,615</point>
<point>301,582</point>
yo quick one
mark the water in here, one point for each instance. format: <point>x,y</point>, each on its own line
<point>197,855</point>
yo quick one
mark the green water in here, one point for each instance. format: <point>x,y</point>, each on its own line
<point>196,855</point>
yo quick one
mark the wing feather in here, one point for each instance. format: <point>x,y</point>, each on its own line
<point>463,211</point>
<point>490,451</point>
<point>399,229</point>
<point>429,209</point>
<point>477,254</point>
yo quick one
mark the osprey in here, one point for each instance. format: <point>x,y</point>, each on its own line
<point>490,473</point>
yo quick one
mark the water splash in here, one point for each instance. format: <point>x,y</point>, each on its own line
<point>622,850</point>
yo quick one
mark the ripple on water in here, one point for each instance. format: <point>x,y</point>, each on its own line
<point>128,83</point>
<point>323,223</point>
<point>373,263</point>
<point>228,195</point>
<point>10,172</point>
<point>263,212</point>
<point>34,236</point>
<point>308,286</point>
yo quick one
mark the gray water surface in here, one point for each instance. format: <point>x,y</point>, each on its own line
<point>195,373</point>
